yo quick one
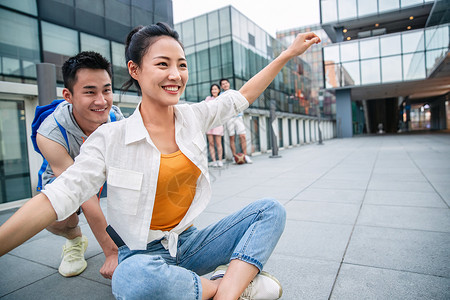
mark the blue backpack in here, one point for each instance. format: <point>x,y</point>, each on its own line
<point>41,113</point>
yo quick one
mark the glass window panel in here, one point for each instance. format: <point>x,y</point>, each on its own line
<point>188,33</point>
<point>414,66</point>
<point>386,5</point>
<point>201,29</point>
<point>331,54</point>
<point>59,43</point>
<point>224,21</point>
<point>202,57</point>
<point>11,66</point>
<point>332,76</point>
<point>350,73</point>
<point>347,9</point>
<point>391,68</point>
<point>192,64</point>
<point>29,68</point>
<point>367,7</point>
<point>26,6</point>
<point>227,61</point>
<point>204,90</point>
<point>15,173</point>
<point>406,3</point>
<point>18,41</point>
<point>214,52</point>
<point>94,7</point>
<point>59,39</point>
<point>93,43</point>
<point>390,45</point>
<point>412,41</point>
<point>213,25</point>
<point>437,37</point>
<point>328,11</point>
<point>349,51</point>
<point>235,22</point>
<point>369,48</point>
<point>238,60</point>
<point>120,71</point>
<point>370,71</point>
<point>243,26</point>
<point>434,58</point>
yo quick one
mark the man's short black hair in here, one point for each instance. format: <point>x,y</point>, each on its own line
<point>83,60</point>
<point>223,79</point>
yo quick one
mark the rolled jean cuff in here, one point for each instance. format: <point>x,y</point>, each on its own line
<point>197,286</point>
<point>247,259</point>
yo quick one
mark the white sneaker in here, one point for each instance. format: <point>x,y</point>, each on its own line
<point>263,287</point>
<point>248,159</point>
<point>220,164</point>
<point>214,164</point>
<point>73,262</point>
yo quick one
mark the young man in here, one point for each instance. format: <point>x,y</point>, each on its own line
<point>236,126</point>
<point>88,95</point>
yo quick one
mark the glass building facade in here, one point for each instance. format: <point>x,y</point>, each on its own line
<point>226,44</point>
<point>51,31</point>
<point>314,58</point>
<point>410,55</point>
<point>335,11</point>
<point>391,52</point>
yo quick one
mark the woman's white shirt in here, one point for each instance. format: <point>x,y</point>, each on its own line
<point>123,154</point>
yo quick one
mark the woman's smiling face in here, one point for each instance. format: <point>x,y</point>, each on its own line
<point>163,73</point>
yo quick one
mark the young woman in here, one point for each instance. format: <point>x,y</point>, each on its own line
<point>155,164</point>
<point>215,134</point>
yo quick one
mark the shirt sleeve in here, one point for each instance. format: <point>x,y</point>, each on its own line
<point>82,180</point>
<point>218,112</point>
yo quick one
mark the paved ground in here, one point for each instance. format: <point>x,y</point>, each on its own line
<point>368,218</point>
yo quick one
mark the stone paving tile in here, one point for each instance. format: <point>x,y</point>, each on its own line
<point>56,287</point>
<point>404,198</point>
<point>17,272</point>
<point>417,251</point>
<point>420,218</point>
<point>331,195</point>
<point>303,278</point>
<point>314,240</point>
<point>337,213</point>
<point>364,282</point>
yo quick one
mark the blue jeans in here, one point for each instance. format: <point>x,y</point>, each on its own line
<point>249,235</point>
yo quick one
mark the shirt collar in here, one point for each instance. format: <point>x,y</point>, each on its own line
<point>135,130</point>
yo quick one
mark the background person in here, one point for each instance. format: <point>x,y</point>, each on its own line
<point>88,95</point>
<point>156,164</point>
<point>215,135</point>
<point>236,126</point>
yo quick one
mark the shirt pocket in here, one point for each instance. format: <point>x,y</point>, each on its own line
<point>124,190</point>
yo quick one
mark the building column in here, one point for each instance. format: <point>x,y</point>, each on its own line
<point>344,113</point>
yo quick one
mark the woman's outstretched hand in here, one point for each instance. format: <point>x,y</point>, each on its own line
<point>301,43</point>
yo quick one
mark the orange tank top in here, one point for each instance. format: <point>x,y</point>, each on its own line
<point>177,182</point>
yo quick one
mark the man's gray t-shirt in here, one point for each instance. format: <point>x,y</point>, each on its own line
<point>49,129</point>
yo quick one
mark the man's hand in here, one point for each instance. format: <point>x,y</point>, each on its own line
<point>111,262</point>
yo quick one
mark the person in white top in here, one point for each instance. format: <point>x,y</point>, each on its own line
<point>159,260</point>
<point>236,126</point>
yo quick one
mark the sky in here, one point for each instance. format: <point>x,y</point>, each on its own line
<point>270,15</point>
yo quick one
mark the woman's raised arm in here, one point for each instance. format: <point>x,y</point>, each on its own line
<point>258,83</point>
<point>30,219</point>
